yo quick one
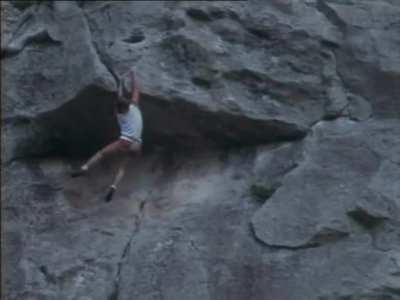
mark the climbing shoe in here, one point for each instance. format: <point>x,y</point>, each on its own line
<point>78,172</point>
<point>110,193</point>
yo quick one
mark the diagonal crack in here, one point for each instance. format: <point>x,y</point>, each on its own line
<point>137,226</point>
<point>331,15</point>
<point>103,57</point>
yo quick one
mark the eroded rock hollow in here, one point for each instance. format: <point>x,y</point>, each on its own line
<point>271,167</point>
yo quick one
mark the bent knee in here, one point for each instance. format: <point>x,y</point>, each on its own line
<point>135,148</point>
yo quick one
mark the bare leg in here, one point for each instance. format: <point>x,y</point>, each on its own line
<point>132,149</point>
<point>98,156</point>
<point>117,146</point>
<point>118,177</point>
<point>121,172</point>
<point>93,160</point>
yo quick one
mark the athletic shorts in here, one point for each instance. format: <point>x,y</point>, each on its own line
<point>130,139</point>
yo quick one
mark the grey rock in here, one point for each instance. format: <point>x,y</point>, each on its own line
<point>48,75</point>
<point>200,72</point>
<point>368,62</point>
<point>238,83</point>
<point>358,108</point>
<point>204,69</point>
<point>63,253</point>
<point>315,197</point>
<point>10,19</point>
<point>337,101</point>
<point>75,245</point>
<point>372,208</point>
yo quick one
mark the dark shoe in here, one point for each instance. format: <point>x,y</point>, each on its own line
<point>78,172</point>
<point>110,193</point>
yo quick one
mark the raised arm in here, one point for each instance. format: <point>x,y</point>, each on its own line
<point>135,89</point>
<point>120,87</point>
<point>119,97</point>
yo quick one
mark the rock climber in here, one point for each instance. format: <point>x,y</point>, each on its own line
<point>130,140</point>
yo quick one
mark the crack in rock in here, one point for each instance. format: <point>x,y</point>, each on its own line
<point>100,54</point>
<point>137,226</point>
<point>331,15</point>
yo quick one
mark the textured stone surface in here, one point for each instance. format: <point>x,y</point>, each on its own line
<point>301,96</point>
<point>341,160</point>
<point>48,72</point>
<point>65,242</point>
<point>368,61</point>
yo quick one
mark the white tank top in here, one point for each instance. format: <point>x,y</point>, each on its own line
<point>131,124</point>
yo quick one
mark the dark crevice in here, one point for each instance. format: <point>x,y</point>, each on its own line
<point>337,115</point>
<point>262,33</point>
<point>211,14</point>
<point>66,275</point>
<point>220,13</point>
<point>202,82</point>
<point>49,277</point>
<point>394,291</point>
<point>330,44</point>
<point>136,36</point>
<point>261,192</point>
<point>87,122</point>
<point>198,14</point>
<point>27,4</point>
<point>266,32</point>
<point>134,39</point>
<point>365,219</point>
<point>43,38</point>
<point>137,226</point>
<point>82,125</point>
<point>320,239</point>
<point>331,15</point>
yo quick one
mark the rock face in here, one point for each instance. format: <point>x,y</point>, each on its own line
<point>342,161</point>
<point>272,150</point>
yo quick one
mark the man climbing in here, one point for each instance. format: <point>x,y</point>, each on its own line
<point>130,140</point>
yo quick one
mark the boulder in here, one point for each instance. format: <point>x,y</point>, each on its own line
<point>333,181</point>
